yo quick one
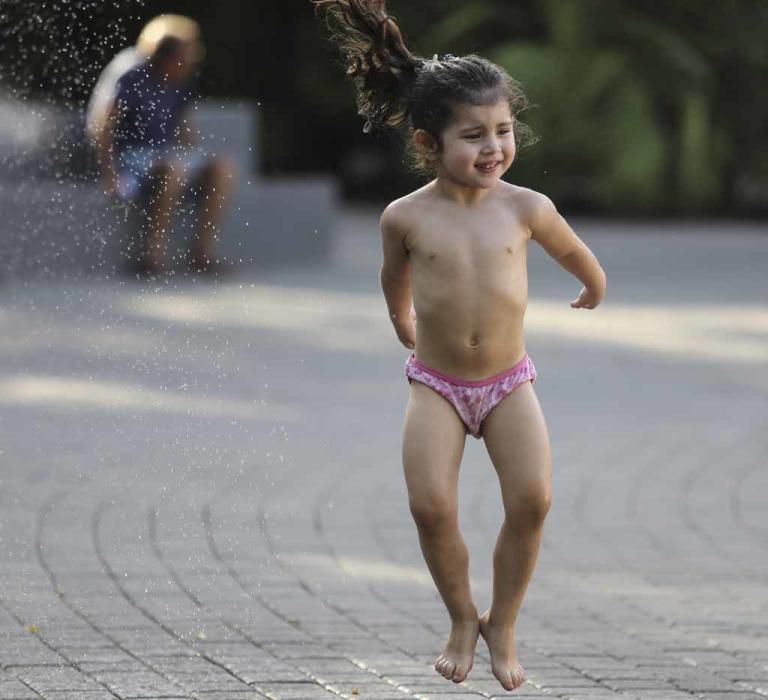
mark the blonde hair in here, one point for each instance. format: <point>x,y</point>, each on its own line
<point>178,26</point>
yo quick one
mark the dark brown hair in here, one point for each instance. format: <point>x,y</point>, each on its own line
<point>397,89</point>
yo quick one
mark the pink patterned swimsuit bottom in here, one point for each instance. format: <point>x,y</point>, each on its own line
<point>473,400</point>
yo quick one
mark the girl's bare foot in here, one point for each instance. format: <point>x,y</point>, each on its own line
<point>456,660</point>
<point>504,662</point>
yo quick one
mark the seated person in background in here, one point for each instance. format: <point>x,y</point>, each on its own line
<point>153,32</point>
<point>148,152</point>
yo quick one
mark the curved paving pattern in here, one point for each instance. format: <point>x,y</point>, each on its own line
<point>201,496</point>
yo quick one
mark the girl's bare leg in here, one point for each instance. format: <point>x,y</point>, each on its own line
<point>433,444</point>
<point>517,441</point>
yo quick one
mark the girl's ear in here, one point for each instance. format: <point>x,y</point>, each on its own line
<point>425,143</point>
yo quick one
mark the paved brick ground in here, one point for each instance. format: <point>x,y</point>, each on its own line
<point>201,496</point>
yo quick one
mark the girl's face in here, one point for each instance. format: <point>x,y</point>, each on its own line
<point>478,145</point>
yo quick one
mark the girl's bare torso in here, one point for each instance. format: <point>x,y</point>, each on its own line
<point>469,280</point>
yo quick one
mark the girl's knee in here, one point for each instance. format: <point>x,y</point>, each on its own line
<point>529,509</point>
<point>433,513</point>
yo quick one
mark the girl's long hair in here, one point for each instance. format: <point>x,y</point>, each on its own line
<point>397,89</point>
<point>376,58</point>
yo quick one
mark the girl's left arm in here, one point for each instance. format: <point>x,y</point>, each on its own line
<point>551,231</point>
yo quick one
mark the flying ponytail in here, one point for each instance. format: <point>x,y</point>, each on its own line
<point>376,57</point>
<point>397,89</point>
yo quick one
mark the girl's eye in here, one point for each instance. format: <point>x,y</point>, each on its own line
<point>472,137</point>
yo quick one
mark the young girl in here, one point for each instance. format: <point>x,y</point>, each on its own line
<point>455,281</point>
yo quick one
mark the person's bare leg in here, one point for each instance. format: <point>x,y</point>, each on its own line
<point>517,441</point>
<point>433,445</point>
<point>162,202</point>
<point>215,184</point>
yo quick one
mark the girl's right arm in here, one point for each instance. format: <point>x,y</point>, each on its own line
<point>396,275</point>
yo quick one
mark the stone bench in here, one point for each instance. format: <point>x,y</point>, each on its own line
<point>69,227</point>
<point>73,229</point>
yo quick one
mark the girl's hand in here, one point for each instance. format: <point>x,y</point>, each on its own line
<point>407,336</point>
<point>587,299</point>
<point>406,332</point>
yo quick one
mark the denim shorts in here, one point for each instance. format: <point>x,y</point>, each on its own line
<point>136,165</point>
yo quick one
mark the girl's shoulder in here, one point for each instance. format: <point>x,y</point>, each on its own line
<point>525,197</point>
<point>399,212</point>
<point>529,204</point>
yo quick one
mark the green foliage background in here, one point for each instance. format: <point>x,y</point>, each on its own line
<point>640,106</point>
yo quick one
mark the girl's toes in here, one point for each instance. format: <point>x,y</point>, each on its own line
<point>506,680</point>
<point>460,674</point>
<point>448,668</point>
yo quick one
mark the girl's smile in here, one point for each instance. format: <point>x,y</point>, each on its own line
<point>488,167</point>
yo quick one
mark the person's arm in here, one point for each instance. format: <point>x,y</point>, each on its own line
<point>106,153</point>
<point>187,133</point>
<point>395,277</point>
<point>551,231</point>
